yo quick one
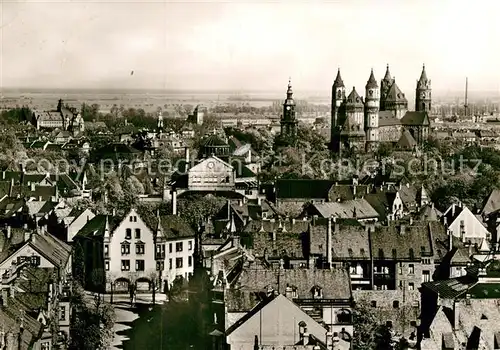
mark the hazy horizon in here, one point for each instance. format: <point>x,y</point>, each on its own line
<point>243,47</point>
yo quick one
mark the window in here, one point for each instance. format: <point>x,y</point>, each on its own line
<point>106,250</point>
<point>400,284</point>
<point>125,265</point>
<point>411,286</point>
<point>125,249</point>
<point>139,248</point>
<point>45,345</point>
<point>131,219</point>
<point>138,233</point>
<point>190,245</point>
<point>170,264</point>
<point>178,247</point>
<point>106,265</point>
<point>128,233</point>
<point>374,303</point>
<point>426,276</point>
<point>395,304</point>
<point>139,265</point>
<point>135,218</point>
<point>160,266</point>
<point>190,261</point>
<point>411,269</point>
<point>170,248</point>
<point>178,263</point>
<point>62,313</point>
<point>160,251</point>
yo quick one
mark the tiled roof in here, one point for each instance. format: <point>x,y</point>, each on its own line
<point>395,94</point>
<point>406,141</point>
<point>492,203</point>
<point>52,248</point>
<point>335,283</point>
<point>381,202</point>
<point>415,118</point>
<point>387,118</point>
<point>351,209</point>
<point>303,189</point>
<point>401,242</point>
<point>450,288</point>
<point>429,213</point>
<point>174,227</point>
<point>347,192</point>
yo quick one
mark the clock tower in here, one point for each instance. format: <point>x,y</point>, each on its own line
<point>423,93</point>
<point>288,120</point>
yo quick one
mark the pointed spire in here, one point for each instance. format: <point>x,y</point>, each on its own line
<point>289,92</point>
<point>387,76</point>
<point>338,80</point>
<point>372,83</point>
<point>423,76</point>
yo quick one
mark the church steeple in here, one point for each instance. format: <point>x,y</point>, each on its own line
<point>288,121</point>
<point>423,98</point>
<point>372,82</point>
<point>387,76</point>
<point>338,80</point>
<point>423,77</point>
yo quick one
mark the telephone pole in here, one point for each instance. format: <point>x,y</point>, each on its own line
<point>466,105</point>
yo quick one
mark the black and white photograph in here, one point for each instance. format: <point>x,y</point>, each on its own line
<point>249,175</point>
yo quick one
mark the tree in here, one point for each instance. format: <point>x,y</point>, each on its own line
<point>369,334</point>
<point>78,263</point>
<point>153,276</point>
<point>92,325</point>
<point>178,289</point>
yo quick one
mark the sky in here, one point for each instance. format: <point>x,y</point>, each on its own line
<point>247,45</point>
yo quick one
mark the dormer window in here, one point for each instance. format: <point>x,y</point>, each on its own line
<point>317,292</point>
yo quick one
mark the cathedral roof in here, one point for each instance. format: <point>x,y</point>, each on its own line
<point>395,94</point>
<point>415,118</point>
<point>338,80</point>
<point>372,83</point>
<point>387,76</point>
<point>289,94</point>
<point>407,141</point>
<point>354,98</point>
<point>352,128</point>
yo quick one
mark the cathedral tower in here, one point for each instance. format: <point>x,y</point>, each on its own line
<point>288,120</point>
<point>423,93</point>
<point>371,112</point>
<point>385,85</point>
<point>338,98</point>
<point>353,134</point>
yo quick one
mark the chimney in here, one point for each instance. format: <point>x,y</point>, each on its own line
<point>456,314</point>
<point>470,250</point>
<point>9,233</point>
<point>306,339</point>
<point>453,209</point>
<point>186,153</point>
<point>274,235</point>
<point>5,297</point>
<point>402,229</point>
<point>329,340</point>
<point>113,212</point>
<point>236,241</point>
<point>329,242</point>
<point>354,190</point>
<point>288,292</point>
<point>27,236</point>
<point>315,217</point>
<point>450,240</point>
<point>335,341</point>
<point>174,202</point>
<point>259,200</point>
<point>3,175</point>
<point>32,187</point>
<point>11,188</point>
<point>411,220</point>
<point>445,221</point>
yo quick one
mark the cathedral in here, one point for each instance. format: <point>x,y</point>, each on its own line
<point>359,124</point>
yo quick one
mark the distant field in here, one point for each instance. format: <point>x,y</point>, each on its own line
<point>149,101</point>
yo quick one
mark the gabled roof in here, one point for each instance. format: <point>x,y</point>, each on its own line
<point>350,209</point>
<point>174,227</point>
<point>354,98</point>
<point>450,288</point>
<point>492,203</point>
<point>416,119</point>
<point>406,141</point>
<point>387,118</point>
<point>395,94</point>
